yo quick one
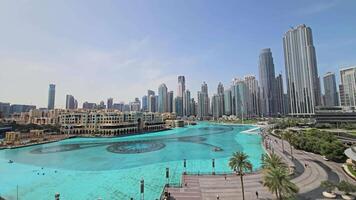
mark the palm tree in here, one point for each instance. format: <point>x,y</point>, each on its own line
<point>239,163</point>
<point>289,137</point>
<point>272,161</point>
<point>278,182</point>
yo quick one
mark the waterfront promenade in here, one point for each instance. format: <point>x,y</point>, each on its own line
<point>307,178</point>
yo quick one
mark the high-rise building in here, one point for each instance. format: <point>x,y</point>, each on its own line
<point>90,106</point>
<point>303,84</point>
<point>170,103</point>
<point>51,96</point>
<point>178,106</point>
<point>203,102</point>
<point>70,102</point>
<point>145,103</point>
<point>110,103</point>
<point>267,80</point>
<point>135,105</point>
<point>156,101</point>
<point>186,103</point>
<point>215,106</point>
<point>204,88</point>
<point>348,86</point>
<point>4,109</point>
<point>193,107</point>
<point>279,100</point>
<point>220,94</point>
<point>101,105</point>
<point>118,106</point>
<point>162,98</point>
<point>239,98</point>
<point>252,98</point>
<point>152,103</point>
<point>227,102</point>
<point>331,96</point>
<point>19,108</point>
<point>150,92</point>
<point>181,86</point>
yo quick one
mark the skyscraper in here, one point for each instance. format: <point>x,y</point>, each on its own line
<point>181,86</point>
<point>135,105</point>
<point>215,106</point>
<point>144,103</point>
<point>150,92</point>
<point>252,98</point>
<point>193,107</point>
<point>348,86</point>
<point>178,106</point>
<point>267,80</point>
<point>70,102</point>
<point>227,102</point>
<point>4,109</point>
<point>162,98</point>
<point>186,103</point>
<point>239,97</point>
<point>170,102</point>
<point>331,97</point>
<point>203,102</point>
<point>152,103</point>
<point>220,94</point>
<point>279,100</point>
<point>110,103</point>
<point>51,96</point>
<point>301,71</point>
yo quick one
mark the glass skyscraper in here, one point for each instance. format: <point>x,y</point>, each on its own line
<point>303,84</point>
<point>51,96</point>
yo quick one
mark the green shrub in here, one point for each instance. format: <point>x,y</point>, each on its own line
<point>346,187</point>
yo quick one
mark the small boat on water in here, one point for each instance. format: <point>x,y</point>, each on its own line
<point>10,161</point>
<point>217,149</point>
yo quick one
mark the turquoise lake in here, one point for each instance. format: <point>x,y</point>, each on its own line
<point>111,168</point>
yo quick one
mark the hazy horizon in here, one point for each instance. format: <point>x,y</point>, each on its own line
<point>95,50</point>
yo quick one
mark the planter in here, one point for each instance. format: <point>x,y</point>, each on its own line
<point>329,195</point>
<point>347,197</point>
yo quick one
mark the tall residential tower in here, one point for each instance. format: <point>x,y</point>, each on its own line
<point>51,96</point>
<point>303,84</point>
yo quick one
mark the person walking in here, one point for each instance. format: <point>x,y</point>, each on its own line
<point>217,197</point>
<point>256,194</point>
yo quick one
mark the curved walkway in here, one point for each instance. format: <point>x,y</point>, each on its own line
<point>307,178</point>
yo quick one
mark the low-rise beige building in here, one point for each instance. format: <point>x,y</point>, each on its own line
<point>109,123</point>
<point>15,137</point>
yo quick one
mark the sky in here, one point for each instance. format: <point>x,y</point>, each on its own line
<point>94,50</point>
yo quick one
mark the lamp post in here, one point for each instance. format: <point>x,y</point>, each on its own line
<point>213,165</point>
<point>142,189</point>
<point>167,176</point>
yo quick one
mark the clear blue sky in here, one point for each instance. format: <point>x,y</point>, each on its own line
<point>99,49</point>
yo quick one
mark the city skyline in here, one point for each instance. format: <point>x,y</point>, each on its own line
<point>79,62</point>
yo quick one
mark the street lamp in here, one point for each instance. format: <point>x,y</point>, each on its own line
<point>213,164</point>
<point>142,189</point>
<point>167,176</point>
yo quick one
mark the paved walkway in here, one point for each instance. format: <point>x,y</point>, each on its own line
<point>308,179</point>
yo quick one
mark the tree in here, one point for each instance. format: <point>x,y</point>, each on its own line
<point>239,162</point>
<point>333,151</point>
<point>272,161</point>
<point>346,187</point>
<point>328,186</point>
<point>289,137</point>
<point>278,182</point>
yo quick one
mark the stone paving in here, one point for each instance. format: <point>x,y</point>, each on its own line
<point>307,178</point>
